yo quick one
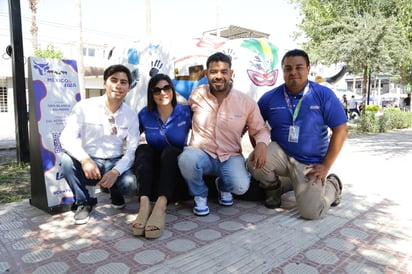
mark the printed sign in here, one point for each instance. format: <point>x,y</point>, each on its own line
<point>53,90</point>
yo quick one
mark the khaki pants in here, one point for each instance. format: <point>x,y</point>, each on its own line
<point>313,201</point>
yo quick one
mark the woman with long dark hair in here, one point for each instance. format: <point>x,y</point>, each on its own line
<point>166,125</point>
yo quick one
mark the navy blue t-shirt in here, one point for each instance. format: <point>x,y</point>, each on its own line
<point>176,127</point>
<point>320,109</point>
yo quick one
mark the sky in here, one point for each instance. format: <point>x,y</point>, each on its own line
<point>125,20</point>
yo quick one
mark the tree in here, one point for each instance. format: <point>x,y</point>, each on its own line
<point>34,28</point>
<point>49,52</point>
<point>368,36</point>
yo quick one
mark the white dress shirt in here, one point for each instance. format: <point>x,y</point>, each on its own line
<point>89,131</point>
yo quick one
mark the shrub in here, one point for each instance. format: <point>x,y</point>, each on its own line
<point>384,123</point>
<point>367,122</point>
<point>397,119</point>
<point>391,118</point>
<point>372,108</point>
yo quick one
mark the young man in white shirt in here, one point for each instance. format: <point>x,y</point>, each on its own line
<point>353,107</point>
<point>100,139</point>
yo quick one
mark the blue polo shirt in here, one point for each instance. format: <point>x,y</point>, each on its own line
<point>320,109</point>
<point>176,127</point>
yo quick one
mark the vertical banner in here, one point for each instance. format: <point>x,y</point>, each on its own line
<point>53,91</point>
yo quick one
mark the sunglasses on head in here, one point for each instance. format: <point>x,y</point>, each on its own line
<point>157,90</point>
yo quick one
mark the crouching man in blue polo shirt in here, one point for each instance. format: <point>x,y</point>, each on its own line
<point>299,113</point>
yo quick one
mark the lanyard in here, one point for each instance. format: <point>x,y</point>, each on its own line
<point>297,109</point>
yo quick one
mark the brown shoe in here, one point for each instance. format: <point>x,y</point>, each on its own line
<point>273,197</point>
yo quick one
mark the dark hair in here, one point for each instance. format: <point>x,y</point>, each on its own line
<point>151,104</point>
<point>296,52</point>
<point>117,68</point>
<point>219,57</point>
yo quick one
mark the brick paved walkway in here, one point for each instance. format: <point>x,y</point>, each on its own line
<point>370,232</point>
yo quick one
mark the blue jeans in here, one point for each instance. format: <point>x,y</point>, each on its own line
<point>194,163</point>
<point>74,175</point>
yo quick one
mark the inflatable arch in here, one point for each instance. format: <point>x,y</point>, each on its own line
<point>255,63</point>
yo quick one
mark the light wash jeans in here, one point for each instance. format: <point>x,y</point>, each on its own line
<point>73,172</point>
<point>194,163</point>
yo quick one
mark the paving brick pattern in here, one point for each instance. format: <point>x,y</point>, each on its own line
<point>370,232</point>
<point>33,240</point>
<point>371,243</point>
<point>259,241</point>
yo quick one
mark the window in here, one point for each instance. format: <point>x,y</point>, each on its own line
<point>89,52</point>
<point>90,92</point>
<point>4,106</point>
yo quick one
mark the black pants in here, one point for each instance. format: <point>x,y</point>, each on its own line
<point>158,174</point>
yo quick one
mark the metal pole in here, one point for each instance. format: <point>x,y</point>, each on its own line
<point>369,87</point>
<point>379,92</point>
<point>19,86</point>
<point>80,63</point>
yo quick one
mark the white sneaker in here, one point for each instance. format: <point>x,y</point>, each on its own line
<point>200,208</point>
<point>224,198</point>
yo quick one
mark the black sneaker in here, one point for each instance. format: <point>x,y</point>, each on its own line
<point>74,207</point>
<point>118,201</point>
<point>82,214</point>
<point>93,201</point>
<point>104,189</point>
<point>334,179</point>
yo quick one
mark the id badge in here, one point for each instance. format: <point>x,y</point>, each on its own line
<point>293,134</point>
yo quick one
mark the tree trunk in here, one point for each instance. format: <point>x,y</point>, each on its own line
<point>34,29</point>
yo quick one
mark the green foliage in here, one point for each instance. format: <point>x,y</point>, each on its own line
<point>49,52</point>
<point>14,182</point>
<point>372,108</point>
<point>384,123</point>
<point>391,118</point>
<point>397,118</point>
<point>367,123</point>
<point>365,35</point>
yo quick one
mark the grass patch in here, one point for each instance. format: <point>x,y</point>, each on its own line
<point>14,182</point>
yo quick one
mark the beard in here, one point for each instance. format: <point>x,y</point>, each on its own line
<point>219,88</point>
